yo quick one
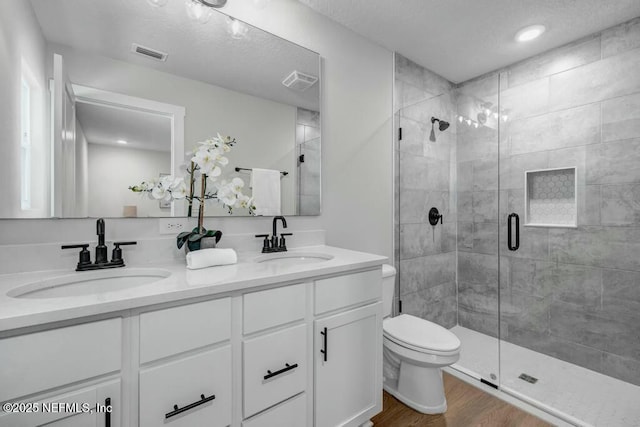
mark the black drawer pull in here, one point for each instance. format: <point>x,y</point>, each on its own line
<point>324,350</point>
<point>281,371</point>
<point>107,413</point>
<point>177,410</point>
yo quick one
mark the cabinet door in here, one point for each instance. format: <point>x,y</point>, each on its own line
<point>348,367</point>
<point>71,408</point>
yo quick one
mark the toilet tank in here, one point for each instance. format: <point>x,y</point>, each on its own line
<point>388,289</point>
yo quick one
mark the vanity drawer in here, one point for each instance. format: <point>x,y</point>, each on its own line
<point>175,330</point>
<point>182,382</point>
<point>273,307</point>
<point>350,289</point>
<point>39,361</point>
<point>272,353</point>
<point>292,413</point>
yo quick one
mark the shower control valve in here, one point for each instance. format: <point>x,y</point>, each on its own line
<point>434,216</point>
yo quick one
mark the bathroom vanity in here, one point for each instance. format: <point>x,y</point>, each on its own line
<point>284,341</point>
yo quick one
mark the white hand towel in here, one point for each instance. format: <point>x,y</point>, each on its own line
<point>265,184</point>
<point>211,257</point>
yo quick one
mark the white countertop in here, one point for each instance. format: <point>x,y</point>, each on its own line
<point>182,284</point>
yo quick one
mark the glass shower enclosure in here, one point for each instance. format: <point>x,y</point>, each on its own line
<point>536,265</point>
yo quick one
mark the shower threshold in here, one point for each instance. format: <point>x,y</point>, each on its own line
<point>569,392</point>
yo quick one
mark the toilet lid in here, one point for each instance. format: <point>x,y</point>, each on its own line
<point>420,333</point>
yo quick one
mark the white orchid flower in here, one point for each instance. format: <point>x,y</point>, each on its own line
<point>180,192</point>
<point>207,163</point>
<point>225,193</point>
<point>244,201</point>
<point>237,185</point>
<point>161,193</point>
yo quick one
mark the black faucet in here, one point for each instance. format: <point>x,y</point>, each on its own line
<point>101,249</point>
<point>274,244</point>
<point>102,262</point>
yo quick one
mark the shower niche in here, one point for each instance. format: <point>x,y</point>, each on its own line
<point>550,197</point>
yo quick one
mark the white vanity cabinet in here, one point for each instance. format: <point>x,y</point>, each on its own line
<point>296,354</point>
<point>348,349</point>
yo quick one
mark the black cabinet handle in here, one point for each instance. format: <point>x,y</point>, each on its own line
<point>177,410</point>
<point>324,350</point>
<point>287,368</point>
<point>107,412</point>
<point>509,232</point>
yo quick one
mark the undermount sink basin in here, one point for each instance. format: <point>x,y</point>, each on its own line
<point>89,283</point>
<point>293,258</point>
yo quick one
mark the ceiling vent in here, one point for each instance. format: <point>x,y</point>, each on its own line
<point>148,52</point>
<point>299,81</point>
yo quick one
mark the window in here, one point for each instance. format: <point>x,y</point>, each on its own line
<point>25,146</point>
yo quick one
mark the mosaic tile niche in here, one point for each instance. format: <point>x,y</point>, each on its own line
<point>551,197</point>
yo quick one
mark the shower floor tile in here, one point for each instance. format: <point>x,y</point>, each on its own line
<point>580,393</point>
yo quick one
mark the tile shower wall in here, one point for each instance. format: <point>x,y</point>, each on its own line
<point>572,293</point>
<point>425,178</point>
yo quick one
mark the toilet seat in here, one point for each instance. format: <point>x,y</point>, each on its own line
<point>421,335</point>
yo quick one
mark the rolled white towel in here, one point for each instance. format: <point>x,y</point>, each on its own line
<point>211,257</point>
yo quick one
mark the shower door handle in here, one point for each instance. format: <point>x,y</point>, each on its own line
<point>509,232</point>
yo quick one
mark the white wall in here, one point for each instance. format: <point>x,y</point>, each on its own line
<point>114,169</point>
<point>357,142</point>
<point>22,51</point>
<point>357,181</point>
<point>82,172</point>
<point>264,129</point>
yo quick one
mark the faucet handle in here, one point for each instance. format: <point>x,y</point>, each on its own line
<point>283,242</point>
<point>116,254</point>
<point>84,257</point>
<point>265,242</point>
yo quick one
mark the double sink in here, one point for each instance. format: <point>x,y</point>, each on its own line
<point>113,280</point>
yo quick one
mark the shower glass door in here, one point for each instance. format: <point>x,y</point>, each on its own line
<point>569,233</point>
<point>477,201</point>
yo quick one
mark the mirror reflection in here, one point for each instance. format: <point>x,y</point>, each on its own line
<point>101,96</point>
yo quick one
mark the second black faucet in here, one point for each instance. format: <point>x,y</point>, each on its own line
<point>274,244</point>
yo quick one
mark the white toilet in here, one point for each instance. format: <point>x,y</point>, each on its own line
<point>414,351</point>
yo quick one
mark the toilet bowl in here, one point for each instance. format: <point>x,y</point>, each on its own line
<point>415,351</point>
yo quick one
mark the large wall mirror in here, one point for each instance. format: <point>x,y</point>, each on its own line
<point>102,95</point>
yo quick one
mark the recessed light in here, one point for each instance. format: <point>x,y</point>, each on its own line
<point>121,141</point>
<point>529,33</point>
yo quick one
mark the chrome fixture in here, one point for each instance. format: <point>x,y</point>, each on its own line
<point>442,126</point>
<point>273,244</point>
<point>102,262</point>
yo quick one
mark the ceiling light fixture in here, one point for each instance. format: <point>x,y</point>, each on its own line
<point>122,141</point>
<point>529,33</point>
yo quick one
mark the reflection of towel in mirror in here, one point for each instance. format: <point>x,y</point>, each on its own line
<point>265,184</point>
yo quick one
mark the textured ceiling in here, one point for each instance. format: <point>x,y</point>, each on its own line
<point>106,125</point>
<point>462,39</point>
<point>255,64</point>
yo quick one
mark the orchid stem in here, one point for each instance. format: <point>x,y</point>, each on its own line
<point>201,211</point>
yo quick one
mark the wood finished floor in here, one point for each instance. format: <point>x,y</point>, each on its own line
<point>468,406</point>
